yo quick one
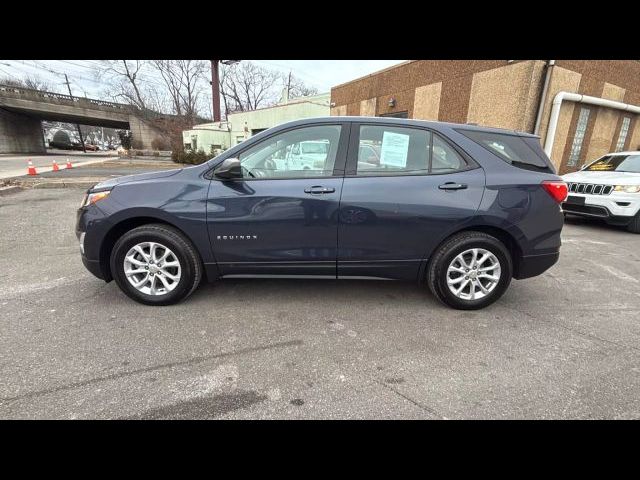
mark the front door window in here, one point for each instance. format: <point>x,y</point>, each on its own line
<point>299,153</point>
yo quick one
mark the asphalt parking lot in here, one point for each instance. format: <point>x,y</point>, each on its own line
<point>562,345</point>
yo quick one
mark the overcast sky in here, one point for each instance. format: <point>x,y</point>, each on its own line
<point>322,74</point>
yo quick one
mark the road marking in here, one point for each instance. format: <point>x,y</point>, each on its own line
<point>583,240</point>
<point>34,287</point>
<point>615,272</point>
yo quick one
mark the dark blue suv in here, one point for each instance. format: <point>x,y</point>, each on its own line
<point>459,207</point>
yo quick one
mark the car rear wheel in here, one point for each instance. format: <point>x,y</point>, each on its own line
<point>469,271</point>
<point>156,265</point>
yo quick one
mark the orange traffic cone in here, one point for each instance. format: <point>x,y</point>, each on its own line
<point>31,170</point>
<point>69,164</point>
<point>55,165</point>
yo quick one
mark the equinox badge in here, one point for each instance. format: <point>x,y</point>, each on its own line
<point>237,237</point>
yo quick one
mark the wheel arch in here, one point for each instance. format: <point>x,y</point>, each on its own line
<point>507,238</point>
<point>119,229</point>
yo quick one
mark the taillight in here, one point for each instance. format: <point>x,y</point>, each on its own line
<point>557,189</point>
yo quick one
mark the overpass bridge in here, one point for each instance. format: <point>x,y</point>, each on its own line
<point>22,111</point>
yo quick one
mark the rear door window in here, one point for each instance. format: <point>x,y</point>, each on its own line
<point>390,150</point>
<point>444,158</point>
<point>522,152</point>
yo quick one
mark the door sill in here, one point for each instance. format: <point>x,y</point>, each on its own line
<point>262,275</point>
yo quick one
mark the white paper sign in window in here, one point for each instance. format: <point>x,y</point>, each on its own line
<point>395,149</point>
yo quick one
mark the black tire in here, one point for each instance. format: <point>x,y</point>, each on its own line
<point>634,225</point>
<point>190,263</point>
<point>444,255</point>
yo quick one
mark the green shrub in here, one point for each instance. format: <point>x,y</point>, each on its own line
<point>125,138</point>
<point>190,157</point>
<point>160,143</point>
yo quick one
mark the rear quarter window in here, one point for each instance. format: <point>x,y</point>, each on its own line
<point>521,152</point>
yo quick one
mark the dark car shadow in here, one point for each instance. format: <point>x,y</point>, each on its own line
<point>361,292</point>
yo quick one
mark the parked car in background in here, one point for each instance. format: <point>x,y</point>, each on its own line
<point>60,145</point>
<point>460,208</point>
<point>608,188</point>
<point>369,153</point>
<point>306,155</point>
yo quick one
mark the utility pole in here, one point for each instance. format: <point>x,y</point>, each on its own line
<point>215,89</point>
<point>215,85</point>
<point>288,86</point>
<point>77,124</point>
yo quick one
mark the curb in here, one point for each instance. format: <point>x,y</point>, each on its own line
<point>9,189</point>
<point>84,185</point>
<point>57,183</point>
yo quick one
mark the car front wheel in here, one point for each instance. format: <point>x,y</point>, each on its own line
<point>469,271</point>
<point>156,265</point>
<point>634,225</point>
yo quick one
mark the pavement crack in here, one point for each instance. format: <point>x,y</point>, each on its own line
<point>411,400</point>
<point>574,330</point>
<point>116,376</point>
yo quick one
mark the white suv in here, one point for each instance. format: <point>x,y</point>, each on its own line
<point>608,188</point>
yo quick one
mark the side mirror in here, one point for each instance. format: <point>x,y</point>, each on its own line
<point>229,168</point>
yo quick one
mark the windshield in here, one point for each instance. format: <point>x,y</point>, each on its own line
<point>309,147</point>
<point>616,163</point>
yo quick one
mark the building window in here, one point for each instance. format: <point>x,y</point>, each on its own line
<point>581,129</point>
<point>624,130</point>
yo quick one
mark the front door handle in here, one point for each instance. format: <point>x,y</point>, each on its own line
<point>452,186</point>
<point>319,190</point>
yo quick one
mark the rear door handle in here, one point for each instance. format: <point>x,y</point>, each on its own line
<point>453,186</point>
<point>319,190</point>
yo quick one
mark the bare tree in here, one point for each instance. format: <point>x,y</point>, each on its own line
<point>297,87</point>
<point>32,82</point>
<point>125,80</point>
<point>247,86</point>
<point>184,80</point>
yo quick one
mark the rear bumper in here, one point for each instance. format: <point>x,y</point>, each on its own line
<point>533,265</point>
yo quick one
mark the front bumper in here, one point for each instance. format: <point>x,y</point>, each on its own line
<point>91,228</point>
<point>93,266</point>
<point>617,206</point>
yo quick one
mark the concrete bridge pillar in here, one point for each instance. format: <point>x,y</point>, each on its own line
<point>20,133</point>
<point>143,133</point>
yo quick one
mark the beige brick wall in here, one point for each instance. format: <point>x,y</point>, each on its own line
<point>368,107</point>
<point>340,110</point>
<point>613,92</point>
<point>426,103</point>
<point>505,97</point>
<point>561,80</point>
<point>604,130</point>
<point>634,143</point>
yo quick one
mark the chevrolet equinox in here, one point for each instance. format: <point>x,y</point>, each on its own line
<point>461,208</point>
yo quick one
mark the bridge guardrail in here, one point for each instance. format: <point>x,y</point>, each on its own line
<point>28,92</point>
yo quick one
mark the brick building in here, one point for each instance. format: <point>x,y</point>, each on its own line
<point>512,94</point>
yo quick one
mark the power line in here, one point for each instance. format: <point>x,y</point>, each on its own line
<point>10,74</point>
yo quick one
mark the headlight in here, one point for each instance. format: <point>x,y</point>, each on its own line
<point>627,188</point>
<point>91,198</point>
